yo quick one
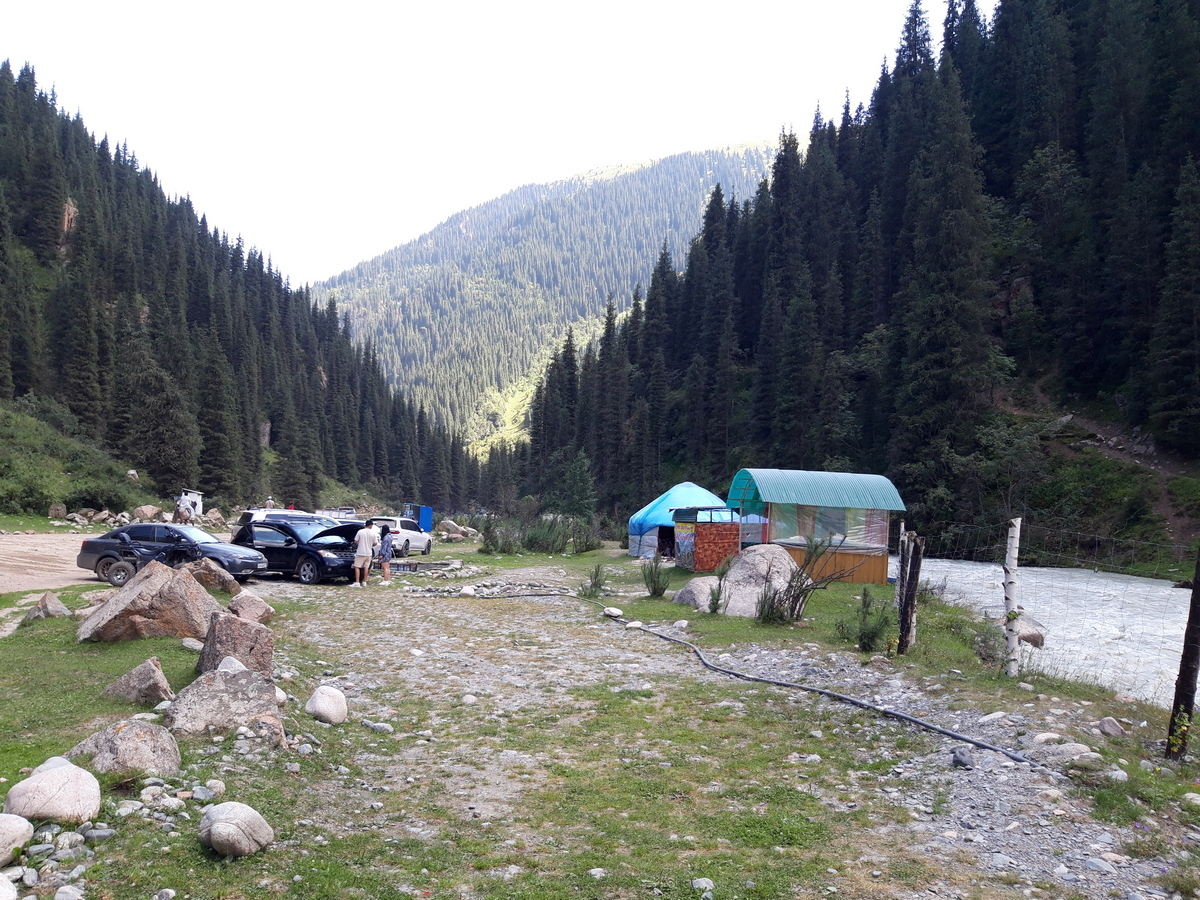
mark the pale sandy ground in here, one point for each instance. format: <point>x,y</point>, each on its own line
<point>40,562</point>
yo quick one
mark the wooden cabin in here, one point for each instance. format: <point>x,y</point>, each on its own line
<point>791,507</point>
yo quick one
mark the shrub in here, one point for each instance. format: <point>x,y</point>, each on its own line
<point>500,537</point>
<point>594,586</point>
<point>547,535</point>
<point>585,535</point>
<point>869,629</point>
<point>656,576</point>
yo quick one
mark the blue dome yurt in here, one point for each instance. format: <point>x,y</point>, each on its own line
<point>651,528</point>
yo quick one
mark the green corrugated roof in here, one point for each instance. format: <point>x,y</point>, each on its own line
<point>837,489</point>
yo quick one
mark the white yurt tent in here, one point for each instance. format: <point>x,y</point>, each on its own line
<point>653,521</point>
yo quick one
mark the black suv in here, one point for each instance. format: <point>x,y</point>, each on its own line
<point>309,550</point>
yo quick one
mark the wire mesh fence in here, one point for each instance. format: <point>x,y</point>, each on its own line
<point>1108,609</point>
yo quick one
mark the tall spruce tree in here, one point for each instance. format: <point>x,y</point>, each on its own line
<point>945,363</point>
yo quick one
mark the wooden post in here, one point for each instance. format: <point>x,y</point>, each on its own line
<point>1011,588</point>
<point>908,603</point>
<point>901,563</point>
<point>1183,707</point>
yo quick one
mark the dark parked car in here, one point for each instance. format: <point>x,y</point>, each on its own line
<point>309,550</point>
<point>99,553</point>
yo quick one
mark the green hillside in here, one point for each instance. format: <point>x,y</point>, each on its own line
<point>460,314</point>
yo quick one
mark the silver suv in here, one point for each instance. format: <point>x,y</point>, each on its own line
<point>408,536</point>
<point>261,514</point>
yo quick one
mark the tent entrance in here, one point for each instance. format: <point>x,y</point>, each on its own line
<point>666,541</point>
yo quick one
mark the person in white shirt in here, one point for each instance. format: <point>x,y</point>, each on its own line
<point>366,539</point>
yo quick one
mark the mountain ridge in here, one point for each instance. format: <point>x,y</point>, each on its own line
<point>528,264</point>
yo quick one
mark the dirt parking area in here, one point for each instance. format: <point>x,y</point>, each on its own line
<point>30,562</point>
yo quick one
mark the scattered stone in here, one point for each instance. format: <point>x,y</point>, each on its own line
<point>327,704</point>
<point>131,747</point>
<point>697,593</point>
<point>15,831</point>
<point>47,607</point>
<point>962,758</point>
<point>1110,727</point>
<point>231,666</point>
<point>213,576</point>
<point>235,829</point>
<point>158,601</point>
<point>56,790</point>
<point>226,701</point>
<point>703,884</point>
<point>193,644</point>
<point>247,641</point>
<point>248,605</point>
<point>612,612</point>
<point>145,684</point>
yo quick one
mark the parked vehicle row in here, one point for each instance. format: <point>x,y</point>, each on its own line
<point>289,542</point>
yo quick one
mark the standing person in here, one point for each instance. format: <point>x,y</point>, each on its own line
<point>365,541</point>
<point>270,504</point>
<point>385,553</point>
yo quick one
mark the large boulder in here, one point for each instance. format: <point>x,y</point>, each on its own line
<point>145,684</point>
<point>248,605</point>
<point>226,701</point>
<point>15,831</point>
<point>57,511</point>
<point>449,526</point>
<point>327,704</point>
<point>146,513</point>
<point>235,829</point>
<point>57,790</point>
<point>697,593</point>
<point>131,747</point>
<point>251,644</point>
<point>212,576</point>
<point>47,607</point>
<point>750,571</point>
<point>157,602</point>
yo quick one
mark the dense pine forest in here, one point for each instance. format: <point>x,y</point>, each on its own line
<point>525,265</point>
<point>130,323</point>
<point>1019,213</point>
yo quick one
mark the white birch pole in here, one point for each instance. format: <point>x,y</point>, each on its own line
<point>901,563</point>
<point>1011,586</point>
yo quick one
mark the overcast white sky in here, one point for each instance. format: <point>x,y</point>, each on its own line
<point>325,134</point>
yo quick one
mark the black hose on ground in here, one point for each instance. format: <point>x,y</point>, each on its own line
<point>832,695</point>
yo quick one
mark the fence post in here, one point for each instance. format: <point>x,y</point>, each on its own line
<point>1011,613</point>
<point>902,551</point>
<point>908,603</point>
<point>1182,708</point>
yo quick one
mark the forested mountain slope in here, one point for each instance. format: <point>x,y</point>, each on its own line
<point>127,321</point>
<point>524,266</point>
<point>1022,211</point>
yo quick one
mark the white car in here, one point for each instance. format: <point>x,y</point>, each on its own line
<point>407,535</point>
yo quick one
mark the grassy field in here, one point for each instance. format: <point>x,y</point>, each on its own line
<point>655,786</point>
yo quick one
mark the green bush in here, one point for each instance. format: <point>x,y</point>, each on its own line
<point>585,536</point>
<point>500,537</point>
<point>1185,494</point>
<point>594,586</point>
<point>547,535</point>
<point>871,627</point>
<point>656,576</point>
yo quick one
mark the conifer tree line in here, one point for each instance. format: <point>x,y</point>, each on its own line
<point>1025,204</point>
<point>127,320</point>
